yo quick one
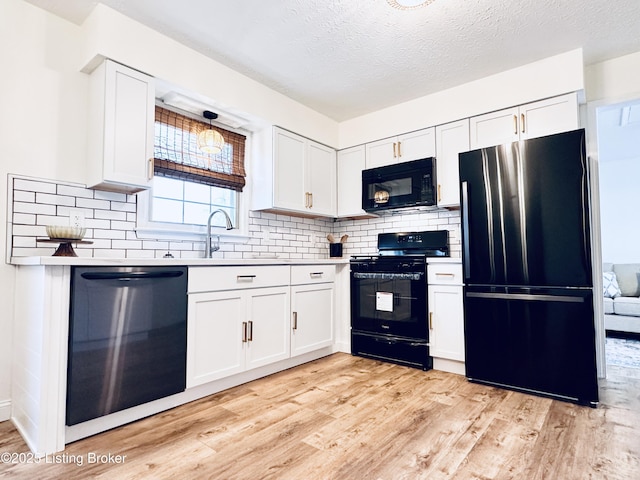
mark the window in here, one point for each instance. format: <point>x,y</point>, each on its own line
<point>181,201</point>
<point>188,183</point>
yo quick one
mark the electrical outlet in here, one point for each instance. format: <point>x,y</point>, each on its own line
<point>76,218</point>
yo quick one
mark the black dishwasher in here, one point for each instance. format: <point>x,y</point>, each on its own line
<point>127,338</point>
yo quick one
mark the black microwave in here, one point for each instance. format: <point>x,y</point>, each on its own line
<point>401,185</point>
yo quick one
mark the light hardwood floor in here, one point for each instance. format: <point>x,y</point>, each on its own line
<point>345,417</point>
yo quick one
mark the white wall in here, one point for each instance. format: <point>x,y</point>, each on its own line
<point>613,80</point>
<point>619,198</point>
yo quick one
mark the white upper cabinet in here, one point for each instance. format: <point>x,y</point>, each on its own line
<point>289,157</point>
<point>403,148</point>
<point>121,129</point>
<point>451,139</point>
<point>321,179</point>
<point>304,176</point>
<point>351,162</point>
<point>553,115</point>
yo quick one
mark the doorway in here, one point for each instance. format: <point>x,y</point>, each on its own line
<point>618,147</point>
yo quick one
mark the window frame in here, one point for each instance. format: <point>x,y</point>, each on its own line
<point>147,229</point>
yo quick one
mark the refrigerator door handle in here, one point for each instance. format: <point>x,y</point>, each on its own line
<point>465,228</point>
<point>527,296</point>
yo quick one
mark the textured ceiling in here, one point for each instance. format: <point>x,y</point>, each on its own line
<point>345,58</point>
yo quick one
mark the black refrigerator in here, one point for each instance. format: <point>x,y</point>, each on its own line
<point>526,252</point>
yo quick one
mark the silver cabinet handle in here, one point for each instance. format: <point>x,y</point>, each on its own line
<point>443,274</point>
<point>295,320</point>
<point>244,332</point>
<point>316,274</point>
<point>245,278</point>
<point>250,335</point>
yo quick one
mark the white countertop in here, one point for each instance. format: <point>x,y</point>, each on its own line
<point>77,261</point>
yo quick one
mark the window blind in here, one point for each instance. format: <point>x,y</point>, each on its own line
<point>176,153</point>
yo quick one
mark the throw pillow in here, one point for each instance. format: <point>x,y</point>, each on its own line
<point>628,278</point>
<point>610,285</point>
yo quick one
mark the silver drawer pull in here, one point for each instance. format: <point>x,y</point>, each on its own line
<point>445,274</point>
<point>316,274</point>
<point>245,278</point>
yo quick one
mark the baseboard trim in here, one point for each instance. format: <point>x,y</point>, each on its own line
<point>5,410</point>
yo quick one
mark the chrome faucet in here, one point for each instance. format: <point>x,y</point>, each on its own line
<point>209,248</point>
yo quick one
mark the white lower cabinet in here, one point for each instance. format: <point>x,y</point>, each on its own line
<point>446,316</point>
<point>312,307</point>
<point>233,331</point>
<point>245,317</point>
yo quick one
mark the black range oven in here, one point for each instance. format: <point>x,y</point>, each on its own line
<point>389,298</point>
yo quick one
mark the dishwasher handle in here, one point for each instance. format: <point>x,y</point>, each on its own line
<point>131,275</point>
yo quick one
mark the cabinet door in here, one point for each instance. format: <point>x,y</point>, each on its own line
<point>289,157</point>
<point>268,334</point>
<point>351,162</point>
<point>215,347</point>
<point>417,145</point>
<point>451,139</point>
<point>446,322</point>
<point>122,128</point>
<point>382,152</point>
<point>554,115</point>
<point>313,313</point>
<point>494,128</point>
<point>321,179</point>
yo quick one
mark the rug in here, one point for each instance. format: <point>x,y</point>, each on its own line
<point>623,352</point>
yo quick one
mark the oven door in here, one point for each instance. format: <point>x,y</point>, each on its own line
<point>390,303</point>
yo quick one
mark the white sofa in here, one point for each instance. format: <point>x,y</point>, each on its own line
<point>621,284</point>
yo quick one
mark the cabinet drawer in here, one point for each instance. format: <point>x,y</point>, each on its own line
<point>209,279</point>
<point>444,274</point>
<point>304,274</point>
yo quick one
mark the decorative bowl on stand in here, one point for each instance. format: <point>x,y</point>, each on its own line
<point>65,235</point>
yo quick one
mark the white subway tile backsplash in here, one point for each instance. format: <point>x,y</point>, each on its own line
<point>111,218</point>
<point>111,215</point>
<point>112,234</point>
<point>29,230</point>
<point>92,203</point>
<point>98,243</point>
<point>127,244</point>
<point>94,223</point>
<point>117,225</point>
<point>20,196</point>
<point>113,253</point>
<point>22,207</point>
<point>123,207</point>
<point>55,199</point>
<point>26,242</point>
<point>112,196</point>
<point>72,191</point>
<point>24,218</point>
<point>34,185</point>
